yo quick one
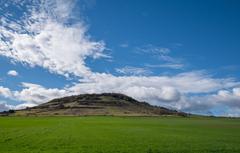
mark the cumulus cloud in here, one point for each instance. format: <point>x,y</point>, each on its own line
<point>230,97</point>
<point>5,92</point>
<point>4,106</point>
<point>154,95</point>
<point>32,94</point>
<point>227,100</point>
<point>37,94</point>
<point>169,91</point>
<point>12,73</point>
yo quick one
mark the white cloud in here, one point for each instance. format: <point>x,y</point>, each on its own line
<point>163,54</point>
<point>167,65</point>
<point>34,94</point>
<point>4,106</point>
<point>12,73</point>
<point>43,39</point>
<point>229,97</point>
<point>124,45</point>
<point>232,112</point>
<point>154,95</point>
<point>236,92</point>
<point>227,100</point>
<point>5,92</point>
<point>162,88</point>
<point>151,49</point>
<point>169,91</point>
<point>130,70</point>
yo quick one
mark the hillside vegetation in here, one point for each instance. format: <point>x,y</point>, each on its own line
<point>96,104</point>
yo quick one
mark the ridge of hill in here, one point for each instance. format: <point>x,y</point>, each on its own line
<point>96,104</point>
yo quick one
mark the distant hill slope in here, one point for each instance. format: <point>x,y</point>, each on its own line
<point>97,104</point>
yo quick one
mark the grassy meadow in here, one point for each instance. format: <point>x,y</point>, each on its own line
<point>119,135</point>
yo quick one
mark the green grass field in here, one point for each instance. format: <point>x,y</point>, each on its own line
<point>119,135</point>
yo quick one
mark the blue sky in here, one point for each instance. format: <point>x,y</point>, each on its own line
<point>205,33</point>
<point>178,54</point>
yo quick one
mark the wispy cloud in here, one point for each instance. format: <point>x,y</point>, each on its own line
<point>124,45</point>
<point>151,49</point>
<point>166,65</point>
<point>129,70</point>
<point>163,54</point>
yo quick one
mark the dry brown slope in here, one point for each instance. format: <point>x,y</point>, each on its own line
<point>97,104</point>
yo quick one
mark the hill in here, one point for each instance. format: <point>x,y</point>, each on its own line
<point>97,104</point>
